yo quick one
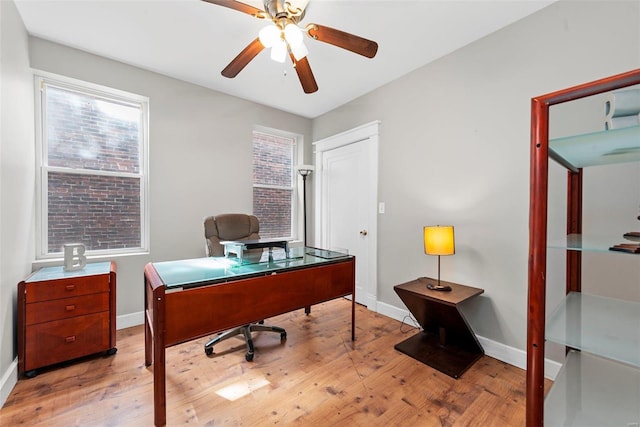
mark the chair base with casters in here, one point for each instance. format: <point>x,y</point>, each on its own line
<point>246,331</point>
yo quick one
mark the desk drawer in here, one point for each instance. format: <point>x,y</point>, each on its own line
<point>60,340</point>
<point>65,308</point>
<point>65,288</point>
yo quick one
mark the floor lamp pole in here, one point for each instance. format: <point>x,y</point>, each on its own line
<point>304,206</point>
<point>304,171</point>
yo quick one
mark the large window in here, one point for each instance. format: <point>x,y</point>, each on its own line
<point>274,192</point>
<point>92,168</point>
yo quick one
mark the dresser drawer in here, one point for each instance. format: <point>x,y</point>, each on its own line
<point>65,288</point>
<point>65,308</point>
<point>61,340</point>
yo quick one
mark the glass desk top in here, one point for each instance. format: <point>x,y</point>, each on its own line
<point>211,270</point>
<point>54,273</point>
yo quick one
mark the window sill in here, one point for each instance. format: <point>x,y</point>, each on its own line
<point>50,262</point>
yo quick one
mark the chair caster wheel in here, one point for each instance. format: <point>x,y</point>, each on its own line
<point>208,351</point>
<point>283,336</point>
<point>31,374</point>
<point>112,351</point>
<point>248,357</point>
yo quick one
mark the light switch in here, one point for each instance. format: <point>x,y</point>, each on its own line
<point>381,207</point>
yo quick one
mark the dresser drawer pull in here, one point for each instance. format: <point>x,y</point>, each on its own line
<point>70,307</point>
<point>70,287</point>
<point>72,338</point>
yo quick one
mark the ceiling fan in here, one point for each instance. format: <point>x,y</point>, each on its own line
<point>284,36</point>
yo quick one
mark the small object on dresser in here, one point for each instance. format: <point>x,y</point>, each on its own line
<point>74,257</point>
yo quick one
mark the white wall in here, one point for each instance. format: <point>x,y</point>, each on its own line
<point>16,181</point>
<point>454,148</point>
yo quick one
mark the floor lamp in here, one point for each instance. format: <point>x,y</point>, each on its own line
<point>304,171</point>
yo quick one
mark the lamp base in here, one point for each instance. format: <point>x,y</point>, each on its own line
<point>443,288</point>
<point>436,286</point>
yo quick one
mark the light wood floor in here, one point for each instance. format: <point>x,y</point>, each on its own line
<point>317,377</point>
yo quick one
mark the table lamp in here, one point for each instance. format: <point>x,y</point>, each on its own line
<point>438,240</point>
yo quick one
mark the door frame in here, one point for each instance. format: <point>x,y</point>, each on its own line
<point>369,133</point>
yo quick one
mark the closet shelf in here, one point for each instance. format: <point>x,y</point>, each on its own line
<point>589,243</point>
<point>603,326</point>
<point>591,391</point>
<point>597,148</point>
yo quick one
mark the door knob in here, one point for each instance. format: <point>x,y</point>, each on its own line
<point>363,232</point>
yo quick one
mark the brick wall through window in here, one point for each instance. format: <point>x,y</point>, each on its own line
<point>273,184</point>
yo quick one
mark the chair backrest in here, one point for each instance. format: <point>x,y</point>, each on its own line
<point>229,227</point>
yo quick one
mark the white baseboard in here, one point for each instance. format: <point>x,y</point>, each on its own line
<point>128,320</point>
<point>8,381</point>
<point>504,353</point>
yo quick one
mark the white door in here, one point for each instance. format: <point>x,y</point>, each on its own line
<point>346,184</point>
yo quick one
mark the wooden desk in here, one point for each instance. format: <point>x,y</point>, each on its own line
<point>196,308</point>
<point>446,342</point>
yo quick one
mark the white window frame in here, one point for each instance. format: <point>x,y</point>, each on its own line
<point>43,79</point>
<point>297,159</point>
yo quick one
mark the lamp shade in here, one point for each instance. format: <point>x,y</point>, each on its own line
<point>439,240</point>
<point>305,170</point>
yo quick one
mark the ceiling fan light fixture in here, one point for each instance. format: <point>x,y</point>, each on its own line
<point>299,51</point>
<point>279,51</point>
<point>269,35</point>
<point>293,35</point>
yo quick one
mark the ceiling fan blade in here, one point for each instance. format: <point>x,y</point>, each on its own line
<point>240,7</point>
<point>344,40</point>
<point>243,58</point>
<point>305,74</point>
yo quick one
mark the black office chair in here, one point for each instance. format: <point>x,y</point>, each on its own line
<point>235,227</point>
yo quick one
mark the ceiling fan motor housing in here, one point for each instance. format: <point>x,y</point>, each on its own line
<point>278,9</point>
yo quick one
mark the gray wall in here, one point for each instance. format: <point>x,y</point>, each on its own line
<point>454,148</point>
<point>16,175</point>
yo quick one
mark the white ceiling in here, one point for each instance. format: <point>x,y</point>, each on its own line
<point>193,41</point>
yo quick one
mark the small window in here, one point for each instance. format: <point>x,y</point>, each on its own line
<point>274,192</point>
<point>92,168</point>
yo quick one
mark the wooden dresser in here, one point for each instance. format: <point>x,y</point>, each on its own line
<point>63,315</point>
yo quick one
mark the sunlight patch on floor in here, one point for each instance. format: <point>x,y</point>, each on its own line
<point>241,388</point>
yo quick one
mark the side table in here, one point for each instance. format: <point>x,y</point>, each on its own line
<point>446,341</point>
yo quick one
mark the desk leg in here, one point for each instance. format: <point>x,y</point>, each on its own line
<point>353,316</point>
<point>148,341</point>
<point>159,368</point>
<point>159,386</point>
